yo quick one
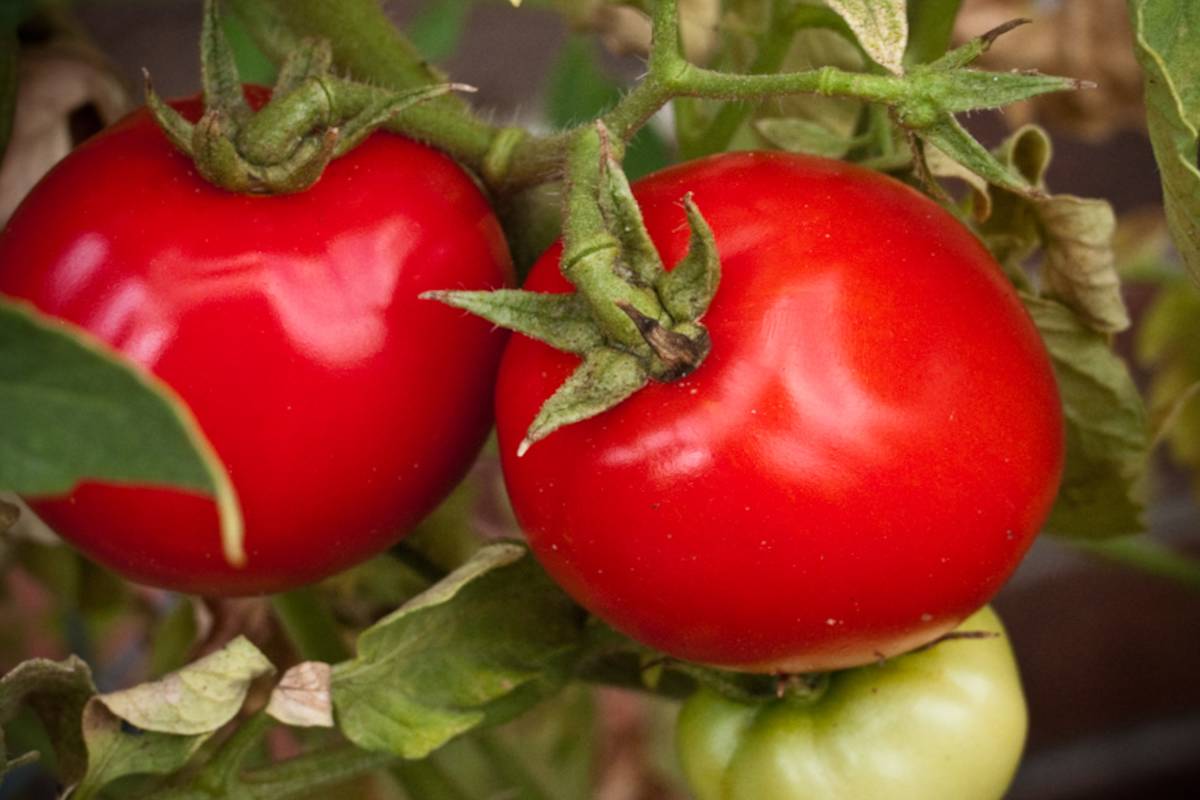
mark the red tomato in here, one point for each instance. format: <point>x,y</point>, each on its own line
<point>343,406</point>
<point>859,464</point>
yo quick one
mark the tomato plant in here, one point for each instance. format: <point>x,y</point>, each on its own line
<point>767,411</point>
<point>860,462</point>
<point>343,407</point>
<point>944,723</point>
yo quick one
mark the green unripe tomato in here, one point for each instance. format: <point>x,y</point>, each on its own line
<point>944,723</point>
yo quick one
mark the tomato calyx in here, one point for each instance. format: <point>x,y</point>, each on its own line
<point>312,117</point>
<point>630,319</point>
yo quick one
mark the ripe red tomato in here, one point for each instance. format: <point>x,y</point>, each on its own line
<point>858,465</point>
<point>343,406</point>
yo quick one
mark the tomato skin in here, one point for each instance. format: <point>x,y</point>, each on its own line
<point>861,461</point>
<point>947,723</point>
<point>343,406</point>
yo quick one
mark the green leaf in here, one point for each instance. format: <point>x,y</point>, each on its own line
<point>483,644</point>
<point>436,30</point>
<point>301,698</point>
<point>71,410</point>
<point>1106,430</point>
<point>1080,265</point>
<point>881,27</point>
<point>605,378</point>
<point>114,753</point>
<point>57,692</point>
<point>1165,34</point>
<point>1080,268</point>
<point>562,321</point>
<point>197,699</point>
<point>796,135</point>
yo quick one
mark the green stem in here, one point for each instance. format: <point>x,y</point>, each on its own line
<point>828,81</point>
<point>426,780</point>
<point>521,785</point>
<point>1147,555</point>
<point>302,776</point>
<point>221,774</point>
<point>307,775</point>
<point>310,626</point>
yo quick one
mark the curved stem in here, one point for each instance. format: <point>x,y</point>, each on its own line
<point>309,625</point>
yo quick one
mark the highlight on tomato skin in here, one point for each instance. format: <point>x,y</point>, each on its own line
<point>344,407</point>
<point>861,461</point>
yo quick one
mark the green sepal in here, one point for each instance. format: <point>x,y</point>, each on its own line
<point>595,269</point>
<point>969,89</point>
<point>605,378</point>
<point>313,58</point>
<point>177,129</point>
<point>382,108</point>
<point>952,139</point>
<point>630,319</point>
<point>639,260</point>
<point>218,68</point>
<point>216,156</point>
<point>688,289</point>
<point>562,321</point>
<point>966,53</point>
<point>284,147</point>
